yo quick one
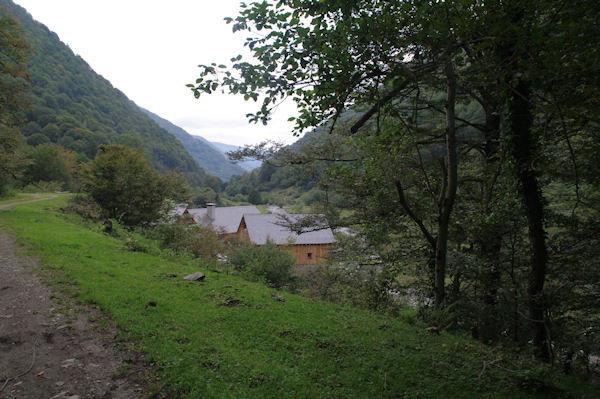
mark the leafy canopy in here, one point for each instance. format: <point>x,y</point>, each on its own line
<point>124,184</point>
<point>328,55</point>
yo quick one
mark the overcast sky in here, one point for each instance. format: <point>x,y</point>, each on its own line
<point>150,49</point>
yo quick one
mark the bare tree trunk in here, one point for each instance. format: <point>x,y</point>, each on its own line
<point>491,239</point>
<point>523,153</point>
<point>447,195</point>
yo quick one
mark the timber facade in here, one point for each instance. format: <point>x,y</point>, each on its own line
<point>308,254</point>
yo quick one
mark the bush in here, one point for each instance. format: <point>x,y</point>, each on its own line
<point>43,187</point>
<point>8,192</point>
<point>50,163</point>
<point>85,207</point>
<point>198,241</point>
<point>354,276</point>
<point>362,287</point>
<point>266,262</point>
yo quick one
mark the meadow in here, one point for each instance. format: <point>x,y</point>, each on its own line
<point>227,337</point>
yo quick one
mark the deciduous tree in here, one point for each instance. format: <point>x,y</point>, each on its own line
<point>124,184</point>
<point>378,58</point>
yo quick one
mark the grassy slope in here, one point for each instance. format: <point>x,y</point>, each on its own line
<point>259,347</point>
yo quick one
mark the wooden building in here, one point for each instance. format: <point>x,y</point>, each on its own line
<point>246,223</point>
<point>307,247</point>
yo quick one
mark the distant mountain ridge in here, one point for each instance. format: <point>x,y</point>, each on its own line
<point>207,156</point>
<point>225,148</point>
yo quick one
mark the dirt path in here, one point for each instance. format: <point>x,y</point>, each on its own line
<point>49,349</point>
<point>34,198</point>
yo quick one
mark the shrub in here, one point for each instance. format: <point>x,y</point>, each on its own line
<point>85,207</point>
<point>50,163</point>
<point>266,262</point>
<point>7,192</point>
<point>352,285</point>
<point>354,276</point>
<point>198,241</point>
<point>43,187</point>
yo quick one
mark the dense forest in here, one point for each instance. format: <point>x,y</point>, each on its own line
<point>461,147</point>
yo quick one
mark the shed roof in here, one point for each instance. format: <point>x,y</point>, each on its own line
<point>227,219</point>
<point>273,227</point>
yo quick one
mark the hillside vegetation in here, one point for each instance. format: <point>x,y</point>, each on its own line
<point>227,337</point>
<point>74,107</point>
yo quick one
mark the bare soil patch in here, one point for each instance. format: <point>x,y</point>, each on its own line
<point>53,349</point>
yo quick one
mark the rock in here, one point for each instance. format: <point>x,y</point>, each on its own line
<point>198,276</point>
<point>68,363</point>
<point>278,297</point>
<point>230,301</point>
<point>433,330</point>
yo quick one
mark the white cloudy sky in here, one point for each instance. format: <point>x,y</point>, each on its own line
<point>150,49</point>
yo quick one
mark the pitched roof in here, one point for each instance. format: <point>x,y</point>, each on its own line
<point>178,210</point>
<point>272,227</point>
<point>227,219</point>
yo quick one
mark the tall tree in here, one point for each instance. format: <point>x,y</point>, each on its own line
<point>373,56</point>
<point>124,184</point>
<point>332,55</point>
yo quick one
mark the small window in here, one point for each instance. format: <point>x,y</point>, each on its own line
<point>309,255</point>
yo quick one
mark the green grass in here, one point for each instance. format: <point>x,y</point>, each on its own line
<point>226,337</point>
<point>262,209</point>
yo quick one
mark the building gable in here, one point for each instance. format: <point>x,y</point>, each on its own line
<point>226,219</point>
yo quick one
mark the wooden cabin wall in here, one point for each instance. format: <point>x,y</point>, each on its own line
<point>308,254</point>
<point>242,232</point>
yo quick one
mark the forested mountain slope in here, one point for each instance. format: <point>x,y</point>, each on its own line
<point>73,106</point>
<point>209,158</point>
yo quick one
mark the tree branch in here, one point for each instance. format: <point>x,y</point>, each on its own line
<point>431,239</point>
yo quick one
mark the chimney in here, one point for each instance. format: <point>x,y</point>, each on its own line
<point>210,211</point>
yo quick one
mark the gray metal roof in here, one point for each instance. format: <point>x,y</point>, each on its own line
<point>178,210</point>
<point>227,219</point>
<point>272,227</point>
